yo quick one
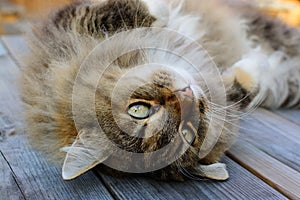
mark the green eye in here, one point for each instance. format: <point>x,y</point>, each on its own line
<point>139,110</point>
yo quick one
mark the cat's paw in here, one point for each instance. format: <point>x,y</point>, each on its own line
<point>159,9</point>
<point>250,71</point>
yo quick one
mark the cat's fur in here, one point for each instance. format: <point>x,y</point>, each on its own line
<point>257,56</point>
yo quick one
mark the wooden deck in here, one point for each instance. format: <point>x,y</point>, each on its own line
<point>263,164</point>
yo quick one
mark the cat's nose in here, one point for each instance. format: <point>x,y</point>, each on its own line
<point>186,93</point>
<point>186,100</point>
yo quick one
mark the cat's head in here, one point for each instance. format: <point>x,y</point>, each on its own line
<point>140,105</point>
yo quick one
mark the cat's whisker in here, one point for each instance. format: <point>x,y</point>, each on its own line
<point>123,21</point>
<point>256,104</point>
<point>251,110</point>
<point>229,115</point>
<point>234,104</point>
<point>216,108</point>
<point>217,117</point>
<point>224,109</point>
<point>225,116</point>
<point>186,173</point>
<point>240,127</point>
<point>143,56</point>
<point>136,14</point>
<point>226,112</point>
<point>225,128</point>
<point>144,20</point>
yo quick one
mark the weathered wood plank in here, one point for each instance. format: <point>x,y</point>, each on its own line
<point>2,50</point>
<point>40,180</point>
<point>241,185</point>
<point>278,140</point>
<point>37,175</point>
<point>17,47</point>
<point>34,176</point>
<point>9,107</point>
<point>275,173</point>
<point>9,96</point>
<point>292,115</point>
<point>8,186</point>
<point>274,121</point>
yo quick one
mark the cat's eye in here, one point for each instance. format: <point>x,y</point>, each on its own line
<point>139,110</point>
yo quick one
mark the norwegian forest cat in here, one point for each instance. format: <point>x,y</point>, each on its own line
<point>153,87</point>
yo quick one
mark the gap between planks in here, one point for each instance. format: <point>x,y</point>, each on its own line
<point>36,178</point>
<point>16,47</point>
<point>276,142</point>
<point>241,185</point>
<point>13,49</point>
<point>10,188</point>
<point>276,174</point>
<point>278,122</point>
<point>291,115</point>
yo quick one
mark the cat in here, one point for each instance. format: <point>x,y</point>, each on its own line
<point>153,86</point>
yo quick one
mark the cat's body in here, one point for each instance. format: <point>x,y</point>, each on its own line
<point>243,45</point>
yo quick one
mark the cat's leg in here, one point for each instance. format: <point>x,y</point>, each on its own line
<point>245,78</point>
<point>99,19</point>
<point>277,85</point>
<point>270,81</point>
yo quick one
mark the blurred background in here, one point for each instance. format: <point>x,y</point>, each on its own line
<point>15,13</point>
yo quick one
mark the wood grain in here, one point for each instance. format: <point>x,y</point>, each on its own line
<point>2,50</point>
<point>279,166</point>
<point>40,180</point>
<point>35,177</point>
<point>275,173</point>
<point>17,47</point>
<point>8,187</point>
<point>241,185</point>
<point>291,115</point>
<point>9,97</point>
<point>278,140</point>
<point>274,121</point>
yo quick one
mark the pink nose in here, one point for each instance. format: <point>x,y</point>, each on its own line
<point>187,92</point>
<point>186,100</point>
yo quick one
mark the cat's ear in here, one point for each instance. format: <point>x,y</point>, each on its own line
<point>216,171</point>
<point>87,151</point>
